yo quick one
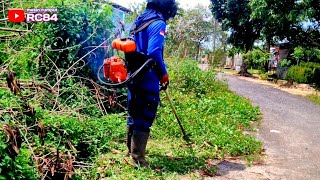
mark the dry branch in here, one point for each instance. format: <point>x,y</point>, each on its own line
<point>8,36</point>
<point>81,59</point>
<point>13,30</point>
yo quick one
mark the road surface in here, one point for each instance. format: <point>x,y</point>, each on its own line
<point>290,130</point>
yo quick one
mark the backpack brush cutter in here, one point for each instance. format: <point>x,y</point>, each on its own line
<point>115,70</point>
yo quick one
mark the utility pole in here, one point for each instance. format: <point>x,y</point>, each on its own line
<point>214,38</point>
<point>214,34</point>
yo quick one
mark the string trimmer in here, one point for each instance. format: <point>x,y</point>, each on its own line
<point>186,137</point>
<point>115,70</point>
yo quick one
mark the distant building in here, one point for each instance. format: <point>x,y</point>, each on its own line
<point>120,12</point>
<point>122,9</point>
<point>234,62</point>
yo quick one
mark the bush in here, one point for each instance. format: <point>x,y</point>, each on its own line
<point>81,26</point>
<point>315,71</point>
<point>19,167</point>
<point>264,76</point>
<point>285,63</point>
<point>300,74</point>
<point>256,58</point>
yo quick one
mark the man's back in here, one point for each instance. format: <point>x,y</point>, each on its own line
<point>150,42</point>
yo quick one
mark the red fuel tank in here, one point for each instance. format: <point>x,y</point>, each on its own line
<point>114,69</point>
<point>124,44</point>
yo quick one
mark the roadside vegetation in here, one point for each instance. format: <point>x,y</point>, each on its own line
<point>257,25</point>
<point>314,98</point>
<point>215,118</point>
<point>58,122</point>
<point>94,146</point>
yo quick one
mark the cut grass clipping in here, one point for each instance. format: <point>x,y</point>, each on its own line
<point>215,118</point>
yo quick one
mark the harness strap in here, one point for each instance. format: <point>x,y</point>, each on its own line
<point>134,29</point>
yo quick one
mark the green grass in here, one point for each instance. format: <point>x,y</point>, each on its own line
<point>254,71</point>
<point>228,71</point>
<point>215,117</point>
<point>314,98</point>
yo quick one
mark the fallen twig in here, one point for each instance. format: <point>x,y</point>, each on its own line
<point>13,30</point>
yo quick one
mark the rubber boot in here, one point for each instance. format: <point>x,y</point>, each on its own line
<point>138,148</point>
<point>129,137</point>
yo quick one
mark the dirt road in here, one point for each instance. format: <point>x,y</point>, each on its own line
<point>290,131</point>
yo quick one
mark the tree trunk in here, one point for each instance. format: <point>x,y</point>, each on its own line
<point>244,70</point>
<point>212,58</point>
<point>198,51</point>
<point>232,63</point>
<point>244,66</point>
<point>266,64</point>
<point>214,35</point>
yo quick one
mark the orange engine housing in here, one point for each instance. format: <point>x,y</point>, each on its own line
<point>124,44</point>
<point>114,69</point>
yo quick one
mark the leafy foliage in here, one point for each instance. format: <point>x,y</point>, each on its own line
<point>270,21</point>
<point>64,122</point>
<point>256,57</point>
<point>80,27</point>
<point>276,19</point>
<point>298,53</point>
<point>217,58</point>
<point>306,54</point>
<point>214,117</point>
<point>21,167</point>
<point>191,31</point>
<point>235,17</point>
<point>285,63</point>
<point>216,120</point>
<point>315,67</point>
<point>299,74</point>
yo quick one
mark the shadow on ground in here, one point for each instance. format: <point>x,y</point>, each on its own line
<point>190,164</point>
<point>224,167</point>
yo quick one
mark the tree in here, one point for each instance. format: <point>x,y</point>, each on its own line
<point>200,26</point>
<point>306,54</point>
<point>277,19</point>
<point>293,20</point>
<point>257,58</point>
<point>231,52</point>
<point>311,9</point>
<point>235,18</point>
<point>298,54</point>
<point>193,31</point>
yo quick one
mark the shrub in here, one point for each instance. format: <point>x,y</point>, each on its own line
<point>299,74</point>
<point>264,76</point>
<point>285,63</point>
<point>19,167</point>
<point>256,57</point>
<point>315,71</point>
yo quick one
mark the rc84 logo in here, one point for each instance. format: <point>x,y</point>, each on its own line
<point>33,15</point>
<point>41,17</point>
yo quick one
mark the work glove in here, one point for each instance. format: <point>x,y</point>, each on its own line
<point>164,82</point>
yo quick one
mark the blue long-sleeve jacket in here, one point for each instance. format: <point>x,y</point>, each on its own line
<point>150,42</point>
